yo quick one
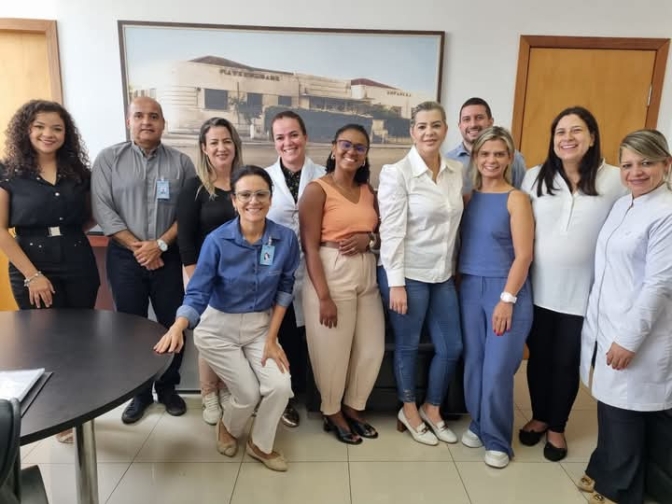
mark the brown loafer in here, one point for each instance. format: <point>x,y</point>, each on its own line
<point>274,461</point>
<point>226,443</point>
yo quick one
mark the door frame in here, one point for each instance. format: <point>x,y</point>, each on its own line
<point>529,42</point>
<point>48,28</point>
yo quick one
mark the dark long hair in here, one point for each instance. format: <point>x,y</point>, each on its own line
<point>363,173</point>
<point>72,159</point>
<point>590,162</point>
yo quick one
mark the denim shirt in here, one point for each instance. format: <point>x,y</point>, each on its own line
<point>229,275</point>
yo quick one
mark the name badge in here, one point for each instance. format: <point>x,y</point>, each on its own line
<point>162,189</point>
<point>267,253</point>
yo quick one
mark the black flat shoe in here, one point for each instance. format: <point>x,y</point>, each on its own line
<point>344,436</point>
<point>530,438</point>
<point>290,417</point>
<point>364,429</point>
<point>553,453</point>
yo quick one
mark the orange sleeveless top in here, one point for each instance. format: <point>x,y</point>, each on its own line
<point>342,218</point>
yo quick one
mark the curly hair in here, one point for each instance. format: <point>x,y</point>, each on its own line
<point>363,173</point>
<point>20,156</point>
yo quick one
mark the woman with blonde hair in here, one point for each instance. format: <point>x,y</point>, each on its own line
<point>495,294</point>
<point>205,204</point>
<point>627,327</point>
<point>420,210</point>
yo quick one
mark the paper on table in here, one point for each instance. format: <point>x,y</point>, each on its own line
<point>18,383</point>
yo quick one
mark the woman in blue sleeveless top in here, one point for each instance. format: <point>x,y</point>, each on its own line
<point>495,295</point>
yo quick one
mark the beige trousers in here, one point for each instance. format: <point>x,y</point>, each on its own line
<point>346,358</point>
<point>233,344</point>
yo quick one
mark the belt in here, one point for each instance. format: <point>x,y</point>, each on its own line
<point>330,244</point>
<point>48,231</point>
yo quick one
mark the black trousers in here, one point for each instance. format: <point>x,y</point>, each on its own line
<point>618,464</point>
<point>134,286</point>
<point>293,341</point>
<point>553,366</point>
<point>69,264</point>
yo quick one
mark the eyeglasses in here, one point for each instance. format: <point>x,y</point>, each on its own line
<point>245,196</point>
<point>346,145</point>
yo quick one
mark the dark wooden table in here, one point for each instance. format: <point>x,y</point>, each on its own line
<point>99,360</point>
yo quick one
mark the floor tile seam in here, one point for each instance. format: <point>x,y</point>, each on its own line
<point>149,435</point>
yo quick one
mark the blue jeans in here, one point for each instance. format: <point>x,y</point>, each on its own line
<point>435,303</point>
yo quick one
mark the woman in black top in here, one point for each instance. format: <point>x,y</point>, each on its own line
<point>45,197</point>
<point>205,204</point>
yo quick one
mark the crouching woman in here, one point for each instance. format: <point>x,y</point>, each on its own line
<point>240,290</point>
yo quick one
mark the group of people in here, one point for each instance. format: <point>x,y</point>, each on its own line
<point>299,264</point>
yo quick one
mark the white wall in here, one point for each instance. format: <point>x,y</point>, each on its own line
<point>480,56</point>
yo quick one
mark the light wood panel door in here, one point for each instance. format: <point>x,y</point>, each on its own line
<point>618,80</point>
<point>30,69</point>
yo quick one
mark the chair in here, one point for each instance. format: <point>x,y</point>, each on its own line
<point>17,486</point>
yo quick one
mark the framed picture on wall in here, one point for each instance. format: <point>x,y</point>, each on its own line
<point>247,74</point>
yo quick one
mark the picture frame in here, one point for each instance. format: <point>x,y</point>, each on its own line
<point>246,74</point>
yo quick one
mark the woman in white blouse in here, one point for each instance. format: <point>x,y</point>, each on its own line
<point>572,193</point>
<point>420,209</point>
<point>628,323</point>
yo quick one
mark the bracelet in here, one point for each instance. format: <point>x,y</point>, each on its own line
<point>29,280</point>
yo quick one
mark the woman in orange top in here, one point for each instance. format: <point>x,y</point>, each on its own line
<point>345,327</point>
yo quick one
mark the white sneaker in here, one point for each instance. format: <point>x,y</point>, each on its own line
<point>212,411</point>
<point>224,397</point>
<point>422,434</point>
<point>471,440</point>
<point>497,459</point>
<point>440,430</point>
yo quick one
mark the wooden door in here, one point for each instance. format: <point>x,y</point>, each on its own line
<point>618,80</point>
<point>30,69</point>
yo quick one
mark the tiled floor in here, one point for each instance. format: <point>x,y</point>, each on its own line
<point>170,460</point>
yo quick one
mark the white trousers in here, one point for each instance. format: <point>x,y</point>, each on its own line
<point>233,345</point>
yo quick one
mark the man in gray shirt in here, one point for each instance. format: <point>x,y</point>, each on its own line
<point>134,190</point>
<point>475,116</point>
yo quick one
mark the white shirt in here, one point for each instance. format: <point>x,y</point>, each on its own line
<point>284,210</point>
<point>419,219</point>
<point>567,225</point>
<point>631,304</point>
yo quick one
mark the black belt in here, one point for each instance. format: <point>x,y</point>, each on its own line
<point>48,231</point>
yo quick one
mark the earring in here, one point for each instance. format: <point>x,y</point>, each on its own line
<point>332,156</point>
<point>363,164</point>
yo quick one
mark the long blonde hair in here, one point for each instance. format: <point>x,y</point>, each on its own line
<point>204,168</point>
<point>491,133</point>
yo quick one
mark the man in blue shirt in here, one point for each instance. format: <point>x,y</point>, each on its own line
<point>475,116</point>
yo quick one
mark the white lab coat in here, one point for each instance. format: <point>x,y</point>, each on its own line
<point>286,212</point>
<point>631,304</point>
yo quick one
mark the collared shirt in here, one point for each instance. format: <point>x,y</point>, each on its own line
<point>419,219</point>
<point>36,203</point>
<point>461,154</point>
<point>292,179</point>
<point>229,275</point>
<point>567,226</point>
<point>631,304</point>
<point>124,189</point>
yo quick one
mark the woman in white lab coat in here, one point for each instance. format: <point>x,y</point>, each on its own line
<point>291,173</point>
<point>627,327</point>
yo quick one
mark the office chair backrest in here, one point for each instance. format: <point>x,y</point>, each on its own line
<point>10,468</point>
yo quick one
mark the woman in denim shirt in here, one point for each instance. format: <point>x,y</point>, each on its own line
<point>236,301</point>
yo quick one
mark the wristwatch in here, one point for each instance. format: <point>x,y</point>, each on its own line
<point>507,297</point>
<point>163,246</point>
